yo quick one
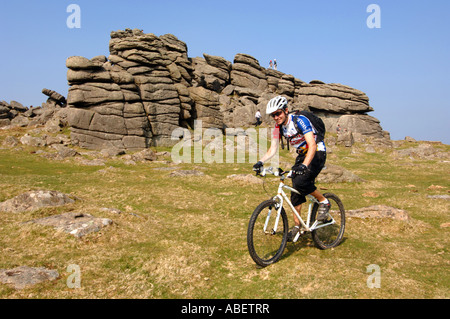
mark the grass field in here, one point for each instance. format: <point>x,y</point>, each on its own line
<point>185,237</point>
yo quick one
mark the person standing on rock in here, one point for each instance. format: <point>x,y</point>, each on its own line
<point>275,64</point>
<point>258,118</point>
<point>270,65</point>
<point>309,162</point>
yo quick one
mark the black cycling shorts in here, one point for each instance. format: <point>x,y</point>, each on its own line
<point>305,183</point>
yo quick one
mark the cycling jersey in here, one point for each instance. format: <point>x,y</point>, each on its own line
<point>297,139</point>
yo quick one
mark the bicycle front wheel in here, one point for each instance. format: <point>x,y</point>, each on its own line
<point>332,232</point>
<point>267,233</point>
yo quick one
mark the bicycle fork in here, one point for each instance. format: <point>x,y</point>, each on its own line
<point>275,226</point>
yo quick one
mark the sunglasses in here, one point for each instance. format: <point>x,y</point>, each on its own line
<point>276,114</point>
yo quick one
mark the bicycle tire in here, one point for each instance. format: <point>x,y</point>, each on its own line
<point>330,236</point>
<point>267,247</point>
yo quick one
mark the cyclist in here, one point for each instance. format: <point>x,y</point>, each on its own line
<point>309,162</point>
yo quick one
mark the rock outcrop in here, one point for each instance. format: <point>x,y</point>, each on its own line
<point>148,87</point>
<point>336,174</point>
<point>33,200</point>
<point>379,211</point>
<point>51,113</point>
<point>9,111</point>
<point>24,276</point>
<point>74,223</point>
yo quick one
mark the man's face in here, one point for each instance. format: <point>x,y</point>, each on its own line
<point>279,116</point>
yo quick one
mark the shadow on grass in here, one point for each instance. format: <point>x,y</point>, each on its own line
<point>304,242</point>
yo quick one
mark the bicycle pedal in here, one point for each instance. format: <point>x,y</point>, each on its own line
<point>299,234</point>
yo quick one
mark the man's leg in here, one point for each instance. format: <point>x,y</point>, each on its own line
<point>306,185</point>
<point>297,201</point>
<point>296,229</point>
<point>296,220</point>
<point>318,196</point>
<point>324,205</point>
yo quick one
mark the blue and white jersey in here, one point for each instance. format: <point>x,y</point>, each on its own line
<point>297,139</point>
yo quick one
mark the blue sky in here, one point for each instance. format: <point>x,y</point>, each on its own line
<point>404,66</point>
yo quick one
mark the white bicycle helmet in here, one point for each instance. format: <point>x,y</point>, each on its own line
<point>277,103</point>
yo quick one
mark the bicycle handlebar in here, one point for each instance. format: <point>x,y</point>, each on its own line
<point>269,170</point>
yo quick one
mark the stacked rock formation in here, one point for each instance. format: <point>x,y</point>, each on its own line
<point>148,86</point>
<point>134,99</point>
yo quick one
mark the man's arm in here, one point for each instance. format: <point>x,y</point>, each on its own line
<point>312,147</point>
<point>272,150</point>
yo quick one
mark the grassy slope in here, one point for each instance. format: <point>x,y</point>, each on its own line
<point>186,237</point>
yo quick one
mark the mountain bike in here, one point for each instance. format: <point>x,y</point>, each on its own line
<point>268,226</point>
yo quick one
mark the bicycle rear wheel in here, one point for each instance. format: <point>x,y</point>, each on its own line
<point>266,241</point>
<point>330,236</point>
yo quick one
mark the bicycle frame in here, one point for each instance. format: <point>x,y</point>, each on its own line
<point>281,197</point>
